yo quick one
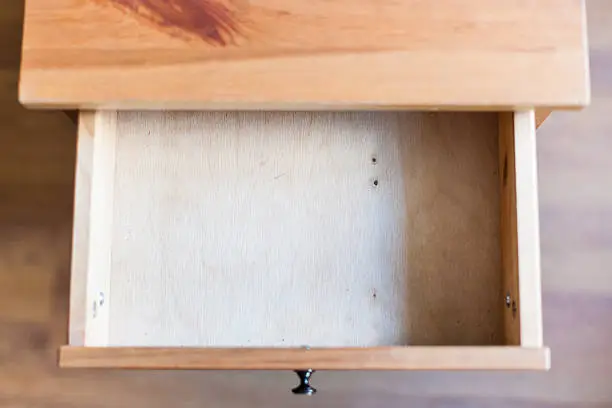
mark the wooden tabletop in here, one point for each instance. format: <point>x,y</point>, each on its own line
<point>296,54</point>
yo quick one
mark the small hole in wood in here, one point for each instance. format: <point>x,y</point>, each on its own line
<point>375,183</point>
<point>374,160</point>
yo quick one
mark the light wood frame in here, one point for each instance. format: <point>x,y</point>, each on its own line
<point>369,358</point>
<point>520,265</point>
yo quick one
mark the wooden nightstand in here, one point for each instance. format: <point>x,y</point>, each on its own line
<point>306,185</point>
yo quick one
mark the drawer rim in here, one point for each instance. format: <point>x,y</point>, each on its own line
<point>364,358</point>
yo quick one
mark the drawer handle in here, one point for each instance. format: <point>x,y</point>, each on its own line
<point>304,387</point>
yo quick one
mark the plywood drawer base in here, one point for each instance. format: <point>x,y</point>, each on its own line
<point>294,240</point>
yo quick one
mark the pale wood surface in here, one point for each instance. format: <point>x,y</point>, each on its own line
<point>81,229</point>
<point>304,55</point>
<point>101,215</point>
<point>520,231</point>
<point>528,229</point>
<point>37,158</point>
<point>369,358</point>
<point>278,229</point>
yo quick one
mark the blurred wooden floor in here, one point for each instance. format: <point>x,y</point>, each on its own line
<point>37,152</point>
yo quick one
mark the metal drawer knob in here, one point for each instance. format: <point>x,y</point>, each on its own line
<point>304,387</point>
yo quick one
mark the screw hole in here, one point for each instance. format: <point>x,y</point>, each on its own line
<point>374,160</point>
<point>375,183</point>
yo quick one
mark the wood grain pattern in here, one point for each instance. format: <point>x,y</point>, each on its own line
<point>209,20</point>
<point>509,238</point>
<point>274,54</point>
<point>379,358</point>
<point>37,157</point>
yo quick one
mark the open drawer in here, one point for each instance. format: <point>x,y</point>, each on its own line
<point>309,240</point>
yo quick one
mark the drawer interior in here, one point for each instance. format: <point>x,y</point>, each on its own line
<point>291,229</point>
